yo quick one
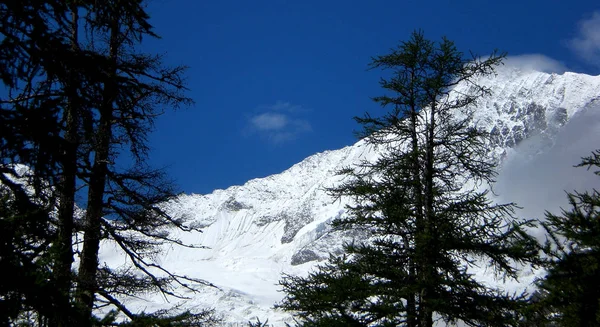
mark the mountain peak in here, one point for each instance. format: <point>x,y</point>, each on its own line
<point>280,223</point>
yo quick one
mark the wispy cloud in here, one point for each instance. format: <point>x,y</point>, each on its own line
<point>283,106</point>
<point>279,122</point>
<point>539,170</point>
<point>537,62</point>
<point>269,121</point>
<point>587,42</point>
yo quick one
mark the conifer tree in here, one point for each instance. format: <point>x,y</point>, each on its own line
<point>79,96</point>
<point>423,205</point>
<point>23,256</point>
<point>569,294</point>
<point>34,53</point>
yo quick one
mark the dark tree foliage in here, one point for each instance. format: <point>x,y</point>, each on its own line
<point>421,205</point>
<point>258,323</point>
<point>569,295</point>
<point>33,58</point>
<point>78,98</point>
<point>23,256</point>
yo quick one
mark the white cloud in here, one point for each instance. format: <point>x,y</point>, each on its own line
<point>587,42</point>
<point>279,123</point>
<point>535,61</point>
<point>540,171</point>
<point>283,106</point>
<point>269,121</point>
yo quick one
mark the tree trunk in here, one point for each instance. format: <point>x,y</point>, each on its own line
<point>67,187</point>
<point>428,273</point>
<point>411,309</point>
<point>88,269</point>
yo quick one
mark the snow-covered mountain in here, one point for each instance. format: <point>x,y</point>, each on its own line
<point>541,124</point>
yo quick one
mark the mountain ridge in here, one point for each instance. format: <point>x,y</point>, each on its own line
<point>279,224</point>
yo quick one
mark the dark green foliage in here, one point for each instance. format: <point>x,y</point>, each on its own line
<point>569,295</point>
<point>23,247</point>
<point>337,295</point>
<point>258,323</point>
<point>80,98</point>
<point>31,150</point>
<point>419,203</point>
<point>162,318</point>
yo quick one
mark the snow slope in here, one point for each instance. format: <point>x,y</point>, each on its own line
<point>279,224</point>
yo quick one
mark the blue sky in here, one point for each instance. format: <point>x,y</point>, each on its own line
<point>276,81</point>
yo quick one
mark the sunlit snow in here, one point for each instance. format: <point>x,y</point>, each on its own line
<point>542,124</point>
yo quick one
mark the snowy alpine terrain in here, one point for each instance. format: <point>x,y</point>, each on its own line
<point>541,125</point>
